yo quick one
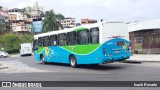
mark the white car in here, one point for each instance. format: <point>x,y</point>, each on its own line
<point>3,54</point>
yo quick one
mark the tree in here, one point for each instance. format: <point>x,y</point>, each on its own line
<point>52,21</point>
<point>28,15</point>
<point>1,28</point>
<point>11,42</point>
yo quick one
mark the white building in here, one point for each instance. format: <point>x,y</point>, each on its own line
<point>19,13</point>
<point>145,36</point>
<point>68,22</point>
<point>136,26</point>
<point>19,21</point>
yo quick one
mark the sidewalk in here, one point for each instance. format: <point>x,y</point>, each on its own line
<point>145,58</point>
<point>14,55</point>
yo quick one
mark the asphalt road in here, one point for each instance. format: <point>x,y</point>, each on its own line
<point>35,71</point>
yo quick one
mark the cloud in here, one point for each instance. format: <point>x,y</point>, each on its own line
<point>109,10</point>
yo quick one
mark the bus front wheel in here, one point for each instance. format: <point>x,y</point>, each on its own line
<point>73,61</point>
<point>42,60</point>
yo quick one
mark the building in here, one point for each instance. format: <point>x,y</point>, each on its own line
<point>145,36</point>
<point>68,22</point>
<point>20,15</point>
<point>37,25</point>
<point>21,26</point>
<point>20,23</point>
<point>4,20</point>
<point>88,21</point>
<point>35,12</point>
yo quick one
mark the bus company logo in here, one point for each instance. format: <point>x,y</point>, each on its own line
<point>52,52</point>
<point>6,84</point>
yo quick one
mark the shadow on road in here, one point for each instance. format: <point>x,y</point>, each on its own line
<point>92,67</point>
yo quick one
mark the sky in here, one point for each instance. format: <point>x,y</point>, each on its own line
<point>108,10</point>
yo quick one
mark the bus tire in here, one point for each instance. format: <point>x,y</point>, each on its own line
<point>42,60</point>
<point>72,61</point>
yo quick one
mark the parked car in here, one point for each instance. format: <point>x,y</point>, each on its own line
<point>3,54</point>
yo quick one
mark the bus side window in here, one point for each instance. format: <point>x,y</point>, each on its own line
<point>94,35</point>
<point>62,39</point>
<point>53,40</point>
<point>40,41</point>
<point>71,38</point>
<point>46,41</point>
<point>35,44</point>
<point>83,37</point>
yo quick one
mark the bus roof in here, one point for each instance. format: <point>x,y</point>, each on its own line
<point>71,29</point>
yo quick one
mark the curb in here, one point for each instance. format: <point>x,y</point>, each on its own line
<point>14,56</point>
<point>132,61</point>
<point>3,68</point>
<point>140,61</point>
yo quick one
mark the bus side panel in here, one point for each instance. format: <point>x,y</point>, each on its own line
<point>36,56</point>
<point>91,58</point>
<point>114,52</point>
<point>58,54</point>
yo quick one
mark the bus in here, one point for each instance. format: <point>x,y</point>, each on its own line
<point>97,43</point>
<point>25,49</point>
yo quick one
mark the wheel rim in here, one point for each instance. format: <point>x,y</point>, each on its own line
<point>73,61</point>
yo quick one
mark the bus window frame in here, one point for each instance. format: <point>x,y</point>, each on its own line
<point>35,45</point>
<point>88,37</point>
<point>91,42</point>
<point>46,42</point>
<point>72,38</point>
<point>65,39</point>
<point>52,37</point>
<point>40,39</point>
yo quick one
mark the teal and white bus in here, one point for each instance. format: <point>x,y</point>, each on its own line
<point>87,44</point>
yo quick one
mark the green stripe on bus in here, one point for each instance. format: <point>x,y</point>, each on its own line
<point>81,49</point>
<point>81,28</point>
<point>40,49</point>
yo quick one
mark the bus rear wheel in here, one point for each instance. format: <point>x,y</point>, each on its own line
<point>42,60</point>
<point>73,62</point>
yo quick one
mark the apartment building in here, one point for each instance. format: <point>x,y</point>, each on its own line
<point>21,26</point>
<point>4,19</point>
<point>68,22</point>
<point>88,21</point>
<point>20,15</point>
<point>20,23</point>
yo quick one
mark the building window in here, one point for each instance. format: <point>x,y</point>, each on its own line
<point>83,37</point>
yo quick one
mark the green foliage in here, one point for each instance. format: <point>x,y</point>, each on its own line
<point>52,21</point>
<point>28,15</point>
<point>0,27</point>
<point>11,42</point>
